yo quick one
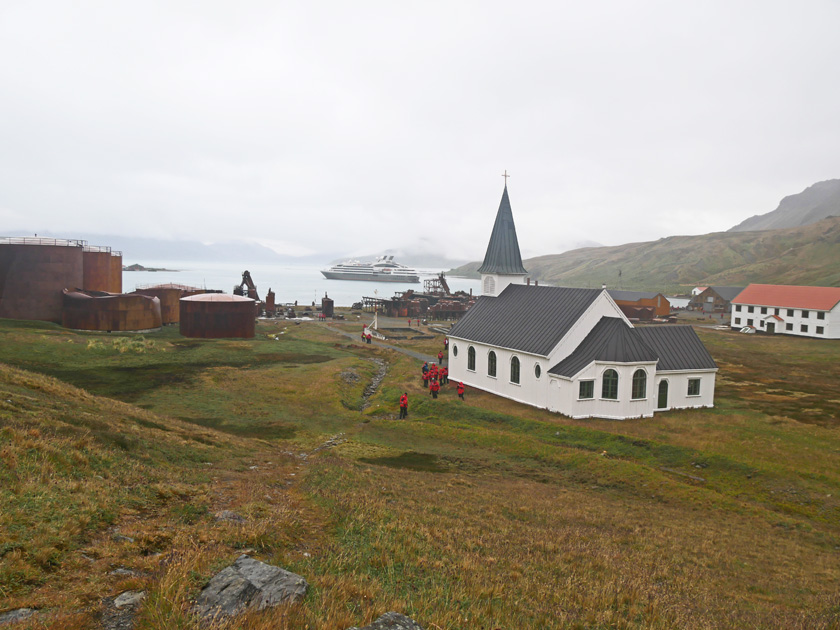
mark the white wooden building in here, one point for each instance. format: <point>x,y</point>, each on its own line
<point>569,350</point>
<point>791,310</point>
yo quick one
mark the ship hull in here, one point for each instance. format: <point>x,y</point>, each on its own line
<point>370,277</point>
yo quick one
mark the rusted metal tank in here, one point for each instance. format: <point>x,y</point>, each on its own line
<point>98,310</point>
<point>97,269</point>
<point>218,315</point>
<point>34,271</point>
<point>116,272</point>
<point>170,298</point>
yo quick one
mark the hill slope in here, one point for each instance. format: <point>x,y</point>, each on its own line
<point>804,255</point>
<point>811,205</point>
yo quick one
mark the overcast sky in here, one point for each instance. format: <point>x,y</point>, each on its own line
<point>359,126</point>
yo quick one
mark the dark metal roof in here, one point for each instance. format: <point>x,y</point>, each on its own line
<point>611,340</point>
<point>727,293</point>
<point>503,249</point>
<point>631,296</point>
<point>526,318</point>
<point>678,347</point>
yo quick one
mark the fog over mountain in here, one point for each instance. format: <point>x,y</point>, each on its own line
<point>811,205</point>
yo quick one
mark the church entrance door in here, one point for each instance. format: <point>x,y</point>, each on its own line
<point>662,399</point>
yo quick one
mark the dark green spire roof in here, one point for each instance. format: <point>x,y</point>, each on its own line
<point>503,249</point>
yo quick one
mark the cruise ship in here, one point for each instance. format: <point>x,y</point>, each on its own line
<point>383,270</point>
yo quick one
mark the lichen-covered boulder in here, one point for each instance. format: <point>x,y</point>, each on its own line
<point>248,584</point>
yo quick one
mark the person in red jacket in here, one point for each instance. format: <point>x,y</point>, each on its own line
<point>433,370</point>
<point>426,378</point>
<point>369,337</point>
<point>440,357</point>
<point>404,406</point>
<point>444,376</point>
<point>434,388</point>
<point>461,390</point>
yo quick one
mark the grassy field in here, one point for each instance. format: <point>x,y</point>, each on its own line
<point>116,451</point>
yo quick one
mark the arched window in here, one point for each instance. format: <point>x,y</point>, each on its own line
<point>489,285</point>
<point>471,359</point>
<point>455,350</point>
<point>639,385</point>
<point>491,364</point>
<point>514,370</point>
<point>537,370</point>
<point>609,385</point>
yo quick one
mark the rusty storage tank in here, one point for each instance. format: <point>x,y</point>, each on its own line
<point>97,269</point>
<point>327,306</point>
<point>218,315</point>
<point>116,272</point>
<point>34,271</point>
<point>98,310</point>
<point>170,298</point>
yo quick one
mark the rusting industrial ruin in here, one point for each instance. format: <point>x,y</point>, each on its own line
<point>79,286</point>
<point>35,271</point>
<point>435,302</point>
<point>218,315</point>
<point>170,298</point>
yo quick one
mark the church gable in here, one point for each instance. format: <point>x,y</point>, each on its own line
<point>525,318</point>
<point>612,340</point>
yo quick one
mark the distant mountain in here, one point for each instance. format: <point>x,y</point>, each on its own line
<point>808,255</point>
<point>811,205</point>
<point>143,250</point>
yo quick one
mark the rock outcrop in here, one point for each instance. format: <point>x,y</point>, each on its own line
<point>248,584</point>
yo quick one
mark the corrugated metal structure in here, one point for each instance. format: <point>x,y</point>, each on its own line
<point>218,315</point>
<point>116,272</point>
<point>98,310</point>
<point>33,272</point>
<point>97,269</point>
<point>170,298</point>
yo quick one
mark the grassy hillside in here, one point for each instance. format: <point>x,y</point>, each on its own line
<point>804,255</point>
<point>477,513</point>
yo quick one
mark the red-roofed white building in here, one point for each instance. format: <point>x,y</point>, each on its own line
<point>791,310</point>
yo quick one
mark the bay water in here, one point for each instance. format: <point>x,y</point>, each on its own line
<point>290,283</point>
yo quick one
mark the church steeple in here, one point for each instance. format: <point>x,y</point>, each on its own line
<point>503,249</point>
<point>502,262</point>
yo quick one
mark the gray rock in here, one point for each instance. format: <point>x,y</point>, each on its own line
<point>18,614</point>
<point>120,612</point>
<point>230,516</point>
<point>123,572</point>
<point>248,584</point>
<point>392,621</point>
<point>129,598</point>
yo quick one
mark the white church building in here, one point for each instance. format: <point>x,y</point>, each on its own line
<point>571,351</point>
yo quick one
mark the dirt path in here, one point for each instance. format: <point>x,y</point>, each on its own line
<point>416,355</point>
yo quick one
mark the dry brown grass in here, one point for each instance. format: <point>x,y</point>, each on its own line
<point>484,514</point>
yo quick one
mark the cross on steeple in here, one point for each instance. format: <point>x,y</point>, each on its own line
<point>506,177</point>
